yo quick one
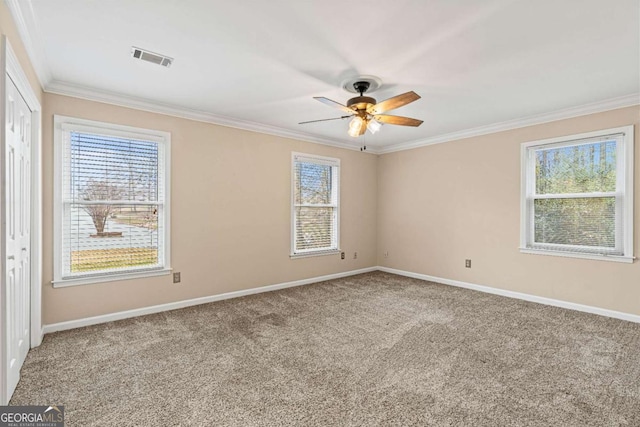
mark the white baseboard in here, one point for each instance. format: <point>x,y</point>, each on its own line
<point>88,321</point>
<point>78,323</point>
<point>518,295</point>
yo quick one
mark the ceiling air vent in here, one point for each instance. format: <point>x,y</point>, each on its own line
<point>152,57</point>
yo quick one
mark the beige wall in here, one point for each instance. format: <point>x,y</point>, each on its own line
<point>8,29</point>
<point>230,213</point>
<point>430,208</point>
<point>441,204</point>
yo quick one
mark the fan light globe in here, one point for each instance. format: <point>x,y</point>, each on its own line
<point>374,126</point>
<point>355,125</point>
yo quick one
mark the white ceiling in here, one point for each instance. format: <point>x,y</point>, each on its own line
<point>475,63</point>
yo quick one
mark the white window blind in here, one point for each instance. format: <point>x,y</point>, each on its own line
<point>577,194</point>
<point>315,215</point>
<point>113,207</point>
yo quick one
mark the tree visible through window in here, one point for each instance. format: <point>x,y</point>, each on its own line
<point>113,202</point>
<point>586,169</point>
<point>315,210</point>
<point>576,196</point>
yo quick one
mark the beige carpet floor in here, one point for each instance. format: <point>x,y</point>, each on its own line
<point>367,350</point>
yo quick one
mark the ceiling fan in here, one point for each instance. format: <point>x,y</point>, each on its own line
<point>367,114</point>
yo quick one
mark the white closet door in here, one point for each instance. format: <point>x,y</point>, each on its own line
<point>18,222</point>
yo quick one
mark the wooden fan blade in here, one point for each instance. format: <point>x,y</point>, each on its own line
<point>334,104</point>
<point>398,120</point>
<point>323,120</point>
<point>393,103</point>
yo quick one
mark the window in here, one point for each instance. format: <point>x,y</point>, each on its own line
<point>577,195</point>
<point>315,205</point>
<point>111,207</point>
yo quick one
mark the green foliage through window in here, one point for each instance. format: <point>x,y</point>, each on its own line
<point>585,168</point>
<point>582,168</point>
<point>577,195</point>
<point>579,222</point>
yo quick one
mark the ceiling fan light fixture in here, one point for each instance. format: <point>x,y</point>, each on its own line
<point>368,114</point>
<point>355,126</point>
<point>374,126</point>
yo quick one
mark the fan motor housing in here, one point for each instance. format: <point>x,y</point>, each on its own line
<point>360,102</point>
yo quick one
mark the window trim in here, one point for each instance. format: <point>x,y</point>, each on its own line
<point>63,124</point>
<point>624,185</point>
<point>334,163</point>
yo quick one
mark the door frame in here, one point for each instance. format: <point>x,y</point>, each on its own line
<point>9,65</point>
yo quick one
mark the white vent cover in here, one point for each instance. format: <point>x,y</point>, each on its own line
<point>152,57</point>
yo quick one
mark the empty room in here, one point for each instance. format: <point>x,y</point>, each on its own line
<point>319,213</point>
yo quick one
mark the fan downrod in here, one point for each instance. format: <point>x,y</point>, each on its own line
<point>361,87</point>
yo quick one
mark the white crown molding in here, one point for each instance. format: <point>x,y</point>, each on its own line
<point>24,18</point>
<point>77,91</point>
<point>69,89</point>
<point>583,110</point>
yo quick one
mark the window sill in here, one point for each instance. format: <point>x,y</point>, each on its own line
<point>614,258</point>
<point>89,280</point>
<point>314,254</point>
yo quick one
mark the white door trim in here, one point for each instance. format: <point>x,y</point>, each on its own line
<point>10,65</point>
